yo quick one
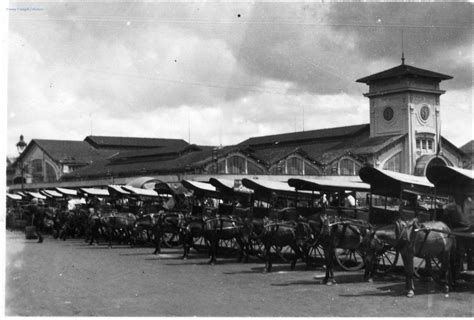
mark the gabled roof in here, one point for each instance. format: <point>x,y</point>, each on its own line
<point>68,151</point>
<point>145,166</point>
<point>403,70</point>
<point>133,142</point>
<point>305,136</point>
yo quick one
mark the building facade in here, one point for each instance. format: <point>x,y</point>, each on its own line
<point>403,135</point>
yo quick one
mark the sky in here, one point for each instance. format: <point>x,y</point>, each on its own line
<point>219,73</point>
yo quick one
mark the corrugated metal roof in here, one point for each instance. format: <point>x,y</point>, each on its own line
<point>298,137</point>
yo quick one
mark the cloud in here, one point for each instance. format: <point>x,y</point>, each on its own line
<point>231,70</point>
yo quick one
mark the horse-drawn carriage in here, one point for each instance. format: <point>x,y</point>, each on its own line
<point>411,208</point>
<point>341,199</point>
<point>458,185</point>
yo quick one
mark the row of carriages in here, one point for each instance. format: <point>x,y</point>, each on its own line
<point>375,199</point>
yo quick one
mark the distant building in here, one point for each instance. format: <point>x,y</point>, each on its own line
<point>46,161</point>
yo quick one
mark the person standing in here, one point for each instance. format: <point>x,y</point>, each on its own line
<point>37,217</point>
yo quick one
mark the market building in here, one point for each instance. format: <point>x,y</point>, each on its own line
<point>403,135</point>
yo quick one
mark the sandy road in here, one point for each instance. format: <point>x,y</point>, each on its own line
<point>70,278</point>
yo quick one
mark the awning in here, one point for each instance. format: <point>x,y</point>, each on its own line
<point>451,181</point>
<point>141,191</point>
<point>14,196</point>
<point>393,184</point>
<point>67,192</point>
<point>328,184</point>
<point>117,189</point>
<point>95,192</point>
<point>264,189</point>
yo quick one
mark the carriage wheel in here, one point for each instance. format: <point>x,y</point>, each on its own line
<point>171,240</point>
<point>349,259</point>
<point>257,249</point>
<point>316,253</point>
<point>229,245</point>
<point>199,242</point>
<point>387,260</point>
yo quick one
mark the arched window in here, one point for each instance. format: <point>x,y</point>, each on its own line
<point>348,167</point>
<point>236,165</point>
<point>294,166</point>
<point>37,170</point>
<point>394,163</point>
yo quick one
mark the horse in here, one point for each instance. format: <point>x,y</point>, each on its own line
<point>279,234</point>
<point>166,223</point>
<point>457,220</point>
<point>119,225</point>
<point>413,239</point>
<point>191,228</point>
<point>337,233</point>
<point>222,228</point>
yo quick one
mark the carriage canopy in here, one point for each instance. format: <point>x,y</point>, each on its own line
<point>51,193</point>
<point>394,184</point>
<point>229,188</point>
<point>451,181</point>
<point>117,190</point>
<point>203,189</point>
<point>95,192</point>
<point>329,184</point>
<point>67,192</point>
<point>14,196</point>
<point>141,191</point>
<point>265,189</point>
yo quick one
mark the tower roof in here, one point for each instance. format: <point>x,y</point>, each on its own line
<point>403,70</point>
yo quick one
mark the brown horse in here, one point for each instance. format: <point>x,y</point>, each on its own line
<point>280,234</point>
<point>191,228</point>
<point>222,228</point>
<point>166,223</point>
<point>337,233</point>
<point>412,239</point>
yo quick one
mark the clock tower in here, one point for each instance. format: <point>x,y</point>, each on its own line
<point>404,100</point>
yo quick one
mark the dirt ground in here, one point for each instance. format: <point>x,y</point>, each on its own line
<point>70,278</point>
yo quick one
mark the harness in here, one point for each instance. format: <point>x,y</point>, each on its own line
<point>222,220</point>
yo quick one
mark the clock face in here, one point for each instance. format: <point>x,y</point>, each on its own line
<point>424,113</point>
<point>388,113</point>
